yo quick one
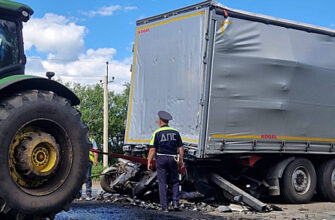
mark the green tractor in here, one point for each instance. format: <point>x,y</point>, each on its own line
<point>43,143</point>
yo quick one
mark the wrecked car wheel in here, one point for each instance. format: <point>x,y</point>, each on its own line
<point>298,182</point>
<point>108,176</point>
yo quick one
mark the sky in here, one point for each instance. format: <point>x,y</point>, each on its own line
<point>75,38</point>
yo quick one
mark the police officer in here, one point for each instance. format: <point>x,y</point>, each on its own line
<point>167,142</point>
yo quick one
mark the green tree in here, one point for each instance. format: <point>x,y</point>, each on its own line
<point>91,107</point>
<point>118,107</point>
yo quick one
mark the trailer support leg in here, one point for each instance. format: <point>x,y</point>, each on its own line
<point>237,192</point>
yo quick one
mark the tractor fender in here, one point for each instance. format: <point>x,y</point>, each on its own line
<point>275,173</point>
<point>19,83</point>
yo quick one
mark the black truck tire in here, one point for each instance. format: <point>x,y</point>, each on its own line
<point>63,163</point>
<point>326,177</point>
<point>298,181</point>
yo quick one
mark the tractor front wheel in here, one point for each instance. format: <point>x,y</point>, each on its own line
<point>44,152</point>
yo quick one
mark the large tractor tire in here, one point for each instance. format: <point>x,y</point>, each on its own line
<point>44,155</point>
<point>298,182</point>
<point>326,180</point>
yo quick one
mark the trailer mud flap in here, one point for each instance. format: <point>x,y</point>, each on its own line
<point>239,193</point>
<point>275,173</point>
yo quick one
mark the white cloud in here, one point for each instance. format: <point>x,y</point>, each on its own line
<point>104,11</point>
<point>89,68</point>
<point>109,10</point>
<point>63,42</point>
<point>55,35</point>
<point>130,8</point>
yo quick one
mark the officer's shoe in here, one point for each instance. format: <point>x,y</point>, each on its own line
<point>176,208</point>
<point>163,210</point>
<point>89,198</point>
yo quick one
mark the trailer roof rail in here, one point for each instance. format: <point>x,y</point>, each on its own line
<point>222,9</point>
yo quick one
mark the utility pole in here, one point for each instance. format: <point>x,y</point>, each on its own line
<point>105,144</point>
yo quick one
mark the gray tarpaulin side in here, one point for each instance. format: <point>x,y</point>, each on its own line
<point>167,76</point>
<point>271,83</point>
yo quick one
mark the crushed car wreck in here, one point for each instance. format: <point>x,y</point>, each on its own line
<point>132,178</point>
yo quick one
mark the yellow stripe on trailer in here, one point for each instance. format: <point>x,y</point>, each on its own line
<point>170,20</point>
<point>276,137</point>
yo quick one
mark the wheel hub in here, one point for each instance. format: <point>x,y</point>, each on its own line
<point>34,156</point>
<point>301,180</point>
<point>40,156</point>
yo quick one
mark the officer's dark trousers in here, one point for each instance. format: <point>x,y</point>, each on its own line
<point>167,173</point>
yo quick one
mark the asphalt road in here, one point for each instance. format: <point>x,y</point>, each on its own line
<point>100,210</point>
<point>106,211</point>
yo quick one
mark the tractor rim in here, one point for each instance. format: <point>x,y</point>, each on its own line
<point>41,152</point>
<point>35,154</point>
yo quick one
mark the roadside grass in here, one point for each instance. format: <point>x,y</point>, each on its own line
<point>97,170</point>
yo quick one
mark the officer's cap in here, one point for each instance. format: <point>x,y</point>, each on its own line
<point>164,115</point>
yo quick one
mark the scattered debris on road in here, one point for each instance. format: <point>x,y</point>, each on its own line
<point>128,201</point>
<point>128,182</point>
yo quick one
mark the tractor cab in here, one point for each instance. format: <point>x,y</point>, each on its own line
<point>12,58</point>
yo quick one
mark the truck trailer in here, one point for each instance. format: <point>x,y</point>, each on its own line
<point>253,97</point>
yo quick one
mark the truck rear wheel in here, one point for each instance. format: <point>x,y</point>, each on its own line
<point>326,180</point>
<point>44,152</point>
<point>299,181</point>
